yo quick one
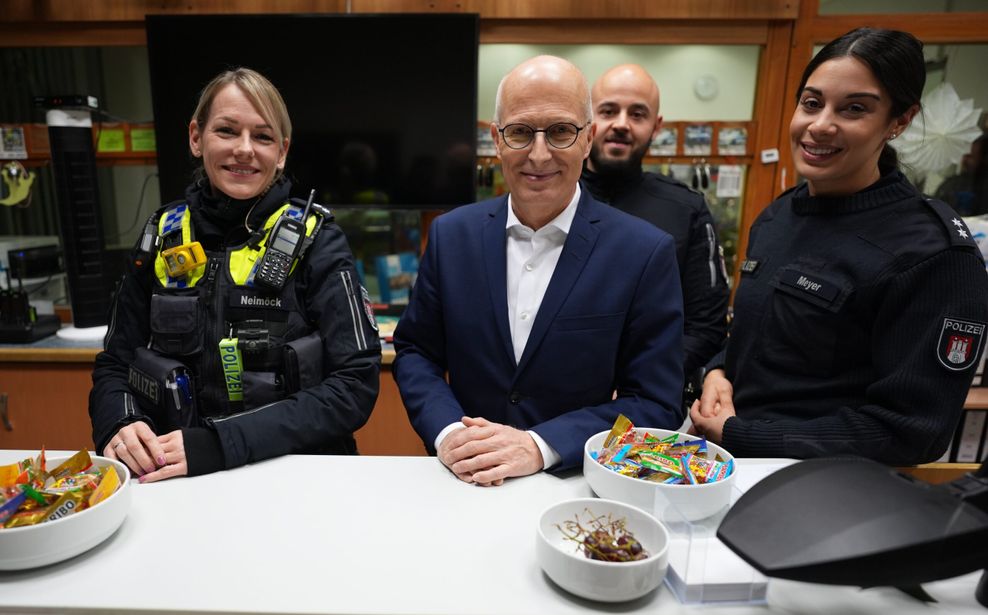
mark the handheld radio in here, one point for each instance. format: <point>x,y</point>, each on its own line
<point>283,244</point>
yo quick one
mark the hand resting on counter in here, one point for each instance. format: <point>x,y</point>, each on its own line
<point>149,456</point>
<point>486,453</point>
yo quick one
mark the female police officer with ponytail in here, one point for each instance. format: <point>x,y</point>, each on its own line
<point>241,331</point>
<point>862,306</point>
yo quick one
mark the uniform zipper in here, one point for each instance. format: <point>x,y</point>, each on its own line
<point>210,353</point>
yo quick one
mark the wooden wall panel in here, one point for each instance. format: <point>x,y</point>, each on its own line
<point>930,28</point>
<point>71,23</point>
<point>625,31</point>
<point>134,10</point>
<point>535,31</point>
<point>59,23</point>
<point>72,34</point>
<point>592,9</point>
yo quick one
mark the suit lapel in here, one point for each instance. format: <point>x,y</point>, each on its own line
<point>495,255</point>
<point>576,252</point>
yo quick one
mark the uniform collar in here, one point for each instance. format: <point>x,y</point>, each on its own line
<point>608,185</point>
<point>890,188</point>
<point>219,219</point>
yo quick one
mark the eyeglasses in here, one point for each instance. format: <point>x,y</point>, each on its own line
<point>560,136</point>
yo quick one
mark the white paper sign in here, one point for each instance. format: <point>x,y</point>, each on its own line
<point>728,181</point>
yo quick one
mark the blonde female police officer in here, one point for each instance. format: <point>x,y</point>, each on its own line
<point>241,331</point>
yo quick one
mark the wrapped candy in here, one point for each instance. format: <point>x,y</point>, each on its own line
<point>30,494</point>
<point>665,460</point>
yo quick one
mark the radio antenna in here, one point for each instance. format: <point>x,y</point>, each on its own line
<point>308,205</point>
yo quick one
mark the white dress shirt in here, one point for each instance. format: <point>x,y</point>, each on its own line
<point>531,259</point>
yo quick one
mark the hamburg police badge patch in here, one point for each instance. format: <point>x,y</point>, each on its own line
<point>368,308</point>
<point>960,343</point>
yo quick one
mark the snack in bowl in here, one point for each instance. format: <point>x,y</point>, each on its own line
<point>673,475</point>
<point>53,509</point>
<point>570,568</point>
<point>605,538</point>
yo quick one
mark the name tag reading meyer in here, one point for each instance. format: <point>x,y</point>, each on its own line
<point>810,284</point>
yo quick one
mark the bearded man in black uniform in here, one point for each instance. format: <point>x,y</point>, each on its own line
<point>626,113</point>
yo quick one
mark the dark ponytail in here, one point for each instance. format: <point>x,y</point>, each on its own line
<point>896,60</point>
<point>888,160</point>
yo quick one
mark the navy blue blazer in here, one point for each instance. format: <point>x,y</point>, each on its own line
<point>611,320</point>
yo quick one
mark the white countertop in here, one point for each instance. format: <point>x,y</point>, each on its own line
<point>365,535</point>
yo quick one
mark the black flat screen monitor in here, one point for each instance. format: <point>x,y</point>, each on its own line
<point>383,107</point>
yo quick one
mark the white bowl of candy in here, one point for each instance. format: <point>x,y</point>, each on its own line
<point>71,507</point>
<point>601,549</point>
<point>675,476</point>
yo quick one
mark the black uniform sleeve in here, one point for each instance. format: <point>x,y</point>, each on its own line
<point>719,358</point>
<point>705,294</point>
<point>915,400</point>
<point>111,404</point>
<point>330,412</point>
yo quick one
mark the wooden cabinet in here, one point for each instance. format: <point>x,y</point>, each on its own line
<point>388,431</point>
<point>47,404</point>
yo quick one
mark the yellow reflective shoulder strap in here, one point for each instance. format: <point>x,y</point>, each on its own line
<point>244,260</point>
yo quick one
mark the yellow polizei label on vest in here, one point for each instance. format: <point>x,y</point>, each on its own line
<point>233,368</point>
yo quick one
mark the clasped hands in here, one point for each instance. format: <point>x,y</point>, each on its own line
<point>486,453</point>
<point>715,406</point>
<point>150,456</point>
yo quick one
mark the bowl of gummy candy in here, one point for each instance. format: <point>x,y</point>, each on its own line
<point>54,509</point>
<point>601,549</point>
<point>676,476</point>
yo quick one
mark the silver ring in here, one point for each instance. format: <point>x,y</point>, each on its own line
<point>117,444</point>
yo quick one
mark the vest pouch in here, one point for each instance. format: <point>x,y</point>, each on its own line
<point>261,388</point>
<point>177,323</point>
<point>303,363</point>
<point>164,389</point>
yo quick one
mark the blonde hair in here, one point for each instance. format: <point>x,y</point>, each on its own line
<point>259,91</point>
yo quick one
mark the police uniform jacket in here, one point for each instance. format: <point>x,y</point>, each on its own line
<point>683,213</point>
<point>322,295</point>
<point>858,324</point>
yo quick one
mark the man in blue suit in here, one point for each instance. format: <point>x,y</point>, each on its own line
<point>538,317</point>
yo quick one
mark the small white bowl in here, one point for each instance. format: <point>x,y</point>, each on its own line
<point>593,579</point>
<point>53,541</point>
<point>677,502</point>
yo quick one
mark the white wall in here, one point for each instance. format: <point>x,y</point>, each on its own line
<point>965,70</point>
<point>674,67</point>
